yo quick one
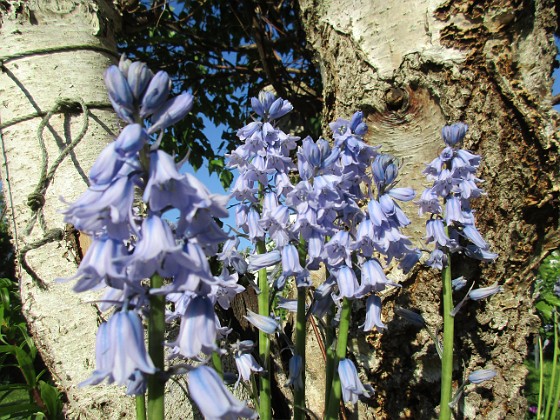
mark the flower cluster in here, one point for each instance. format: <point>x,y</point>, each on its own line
<point>332,209</point>
<point>323,210</point>
<point>451,226</point>
<point>133,241</point>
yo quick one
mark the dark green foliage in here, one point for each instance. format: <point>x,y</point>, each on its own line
<point>225,52</point>
<point>548,300</point>
<point>23,392</point>
<point>547,303</point>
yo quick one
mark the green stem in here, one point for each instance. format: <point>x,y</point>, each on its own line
<point>553,415</point>
<point>141,407</point>
<point>333,403</point>
<point>541,380</point>
<point>265,400</point>
<point>299,393</point>
<point>448,336</point>
<point>217,363</point>
<point>549,399</point>
<point>156,337</point>
<point>329,363</point>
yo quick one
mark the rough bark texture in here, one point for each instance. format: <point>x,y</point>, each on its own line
<point>37,74</point>
<point>412,67</point>
<point>53,54</point>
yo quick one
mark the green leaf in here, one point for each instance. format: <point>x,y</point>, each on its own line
<point>25,363</point>
<point>545,309</point>
<point>18,411</point>
<point>550,298</point>
<point>226,178</point>
<point>51,397</point>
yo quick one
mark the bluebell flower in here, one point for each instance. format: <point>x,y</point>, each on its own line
<point>107,209</point>
<point>106,166</point>
<point>481,375</point>
<point>244,360</point>
<point>288,304</point>
<point>138,76</point>
<point>231,256</point>
<point>120,350</point>
<point>373,314</point>
<point>437,260</point>
<point>295,367</point>
<point>347,282</point>
<point>266,324</point>
<point>269,108</point>
<point>131,140</point>
<point>258,261</point>
<point>484,292</point>
<point>352,386</point>
<point>98,266</point>
<point>373,278</point>
<point>198,330</point>
<point>290,261</point>
<point>212,397</point>
<point>454,183</point>
<point>453,134</point>
<point>120,94</point>
<point>156,94</point>
<point>228,287</point>
<point>174,110</point>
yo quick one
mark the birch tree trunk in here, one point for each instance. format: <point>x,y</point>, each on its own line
<point>53,56</point>
<point>412,67</point>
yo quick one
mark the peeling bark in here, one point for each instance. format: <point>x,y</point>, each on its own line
<point>413,67</point>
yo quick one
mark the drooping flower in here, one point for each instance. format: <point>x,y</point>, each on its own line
<point>266,324</point>
<point>352,386</point>
<point>295,367</point>
<point>120,350</point>
<point>481,375</point>
<point>198,330</point>
<point>212,397</point>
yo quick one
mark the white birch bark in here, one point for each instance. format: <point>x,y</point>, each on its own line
<point>63,323</point>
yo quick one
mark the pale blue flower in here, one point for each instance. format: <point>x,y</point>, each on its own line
<point>131,140</point>
<point>373,314</point>
<point>120,94</point>
<point>484,292</point>
<point>295,367</point>
<point>156,94</point>
<point>266,324</point>
<point>481,375</point>
<point>212,397</point>
<point>98,266</point>
<point>138,76</point>
<point>106,166</point>
<point>259,261</point>
<point>246,363</point>
<point>173,111</point>
<point>120,350</point>
<point>347,282</point>
<point>352,386</point>
<point>198,330</point>
<point>454,133</point>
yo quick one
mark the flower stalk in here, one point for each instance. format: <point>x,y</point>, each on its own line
<point>299,392</point>
<point>333,403</point>
<point>448,338</point>
<point>156,337</point>
<point>265,397</point>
